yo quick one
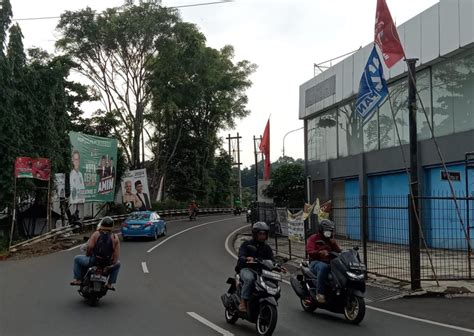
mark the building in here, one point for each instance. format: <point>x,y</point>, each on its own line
<point>346,159</point>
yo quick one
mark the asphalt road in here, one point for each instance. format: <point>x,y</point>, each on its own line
<point>180,294</point>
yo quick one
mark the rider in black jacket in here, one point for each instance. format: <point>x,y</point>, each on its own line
<point>264,251</point>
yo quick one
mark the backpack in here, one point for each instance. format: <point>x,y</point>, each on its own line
<point>103,250</point>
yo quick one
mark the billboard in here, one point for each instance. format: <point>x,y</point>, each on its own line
<point>135,193</point>
<point>26,167</point>
<point>92,177</point>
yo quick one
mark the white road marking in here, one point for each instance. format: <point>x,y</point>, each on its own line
<point>73,248</point>
<point>450,326</point>
<point>368,307</point>
<point>186,230</point>
<point>144,267</point>
<point>210,324</point>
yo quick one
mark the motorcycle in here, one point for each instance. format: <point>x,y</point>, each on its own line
<point>345,286</point>
<point>249,215</point>
<point>237,211</point>
<point>262,307</point>
<point>192,214</point>
<point>93,286</point>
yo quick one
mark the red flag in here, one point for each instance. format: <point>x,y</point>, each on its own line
<point>265,149</point>
<point>386,35</point>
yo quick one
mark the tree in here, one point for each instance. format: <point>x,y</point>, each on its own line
<point>287,186</point>
<point>116,50</point>
<point>197,91</point>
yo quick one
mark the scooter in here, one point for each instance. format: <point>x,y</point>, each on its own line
<point>345,287</point>
<point>262,307</point>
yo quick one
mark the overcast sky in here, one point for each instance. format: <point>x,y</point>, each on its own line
<point>283,37</point>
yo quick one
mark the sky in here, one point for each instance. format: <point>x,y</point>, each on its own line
<point>284,38</point>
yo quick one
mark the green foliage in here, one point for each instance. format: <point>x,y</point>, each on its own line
<point>197,91</point>
<point>287,185</point>
<point>169,204</point>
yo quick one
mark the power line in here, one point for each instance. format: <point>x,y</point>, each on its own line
<point>181,6</point>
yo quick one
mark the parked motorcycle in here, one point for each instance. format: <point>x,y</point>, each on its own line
<point>262,308</point>
<point>345,286</point>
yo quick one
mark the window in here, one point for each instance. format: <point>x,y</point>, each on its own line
<point>322,137</point>
<point>399,100</point>
<point>453,95</point>
<point>349,131</point>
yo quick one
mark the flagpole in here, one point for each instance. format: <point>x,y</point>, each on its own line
<point>415,258</point>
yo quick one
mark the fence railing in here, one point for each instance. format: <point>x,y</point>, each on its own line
<point>380,226</point>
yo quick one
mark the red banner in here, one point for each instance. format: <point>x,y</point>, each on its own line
<point>26,167</point>
<point>265,149</point>
<point>386,35</point>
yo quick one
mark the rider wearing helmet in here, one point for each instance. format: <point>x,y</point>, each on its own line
<point>263,251</point>
<point>319,246</point>
<point>103,247</point>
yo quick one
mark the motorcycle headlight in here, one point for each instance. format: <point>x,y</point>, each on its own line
<point>270,289</point>
<point>355,276</point>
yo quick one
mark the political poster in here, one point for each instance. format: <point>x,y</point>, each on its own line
<point>135,193</point>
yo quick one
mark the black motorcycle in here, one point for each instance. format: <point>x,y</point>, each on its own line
<point>262,307</point>
<point>237,211</point>
<point>192,214</point>
<point>345,286</point>
<point>93,286</point>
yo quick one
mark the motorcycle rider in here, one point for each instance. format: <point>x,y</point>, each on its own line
<point>319,246</point>
<point>264,251</point>
<point>193,208</point>
<point>82,262</point>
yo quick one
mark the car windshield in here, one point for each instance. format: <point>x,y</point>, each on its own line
<point>139,216</point>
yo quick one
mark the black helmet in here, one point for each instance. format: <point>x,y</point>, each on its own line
<point>260,226</point>
<point>327,225</point>
<point>106,222</point>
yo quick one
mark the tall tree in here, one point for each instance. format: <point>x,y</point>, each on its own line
<point>116,50</point>
<point>197,91</point>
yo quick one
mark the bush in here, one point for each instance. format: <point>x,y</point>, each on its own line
<point>169,204</point>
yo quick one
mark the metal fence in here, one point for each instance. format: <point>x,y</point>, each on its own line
<point>380,226</point>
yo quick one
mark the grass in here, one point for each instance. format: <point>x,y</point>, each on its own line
<point>3,245</point>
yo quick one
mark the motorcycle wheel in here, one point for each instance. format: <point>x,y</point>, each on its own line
<point>354,311</point>
<point>266,320</point>
<point>230,317</point>
<point>308,307</point>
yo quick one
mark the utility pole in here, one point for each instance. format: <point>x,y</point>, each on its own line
<point>255,139</point>
<point>235,162</point>
<point>415,265</point>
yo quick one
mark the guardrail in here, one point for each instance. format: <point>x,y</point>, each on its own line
<point>165,213</point>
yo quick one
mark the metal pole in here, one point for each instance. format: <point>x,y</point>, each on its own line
<point>232,186</point>
<point>238,164</point>
<point>468,225</point>
<point>309,226</point>
<point>256,167</point>
<point>48,207</point>
<point>13,213</point>
<point>415,257</point>
<point>284,137</point>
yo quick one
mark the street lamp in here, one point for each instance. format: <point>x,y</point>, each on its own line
<point>286,135</point>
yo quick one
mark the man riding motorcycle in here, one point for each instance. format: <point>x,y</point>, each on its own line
<point>319,247</point>
<point>264,251</point>
<point>101,240</point>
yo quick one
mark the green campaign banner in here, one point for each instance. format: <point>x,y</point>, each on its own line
<point>94,160</point>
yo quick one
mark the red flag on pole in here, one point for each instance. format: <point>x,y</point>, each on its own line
<point>265,149</point>
<point>386,35</point>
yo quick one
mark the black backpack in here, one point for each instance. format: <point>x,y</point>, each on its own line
<point>103,250</point>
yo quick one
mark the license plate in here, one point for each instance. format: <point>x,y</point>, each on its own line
<point>136,226</point>
<point>97,277</point>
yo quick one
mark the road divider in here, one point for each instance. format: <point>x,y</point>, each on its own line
<point>145,267</point>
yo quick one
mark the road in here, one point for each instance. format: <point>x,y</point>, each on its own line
<point>168,287</point>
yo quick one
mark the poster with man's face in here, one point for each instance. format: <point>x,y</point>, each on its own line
<point>93,165</point>
<point>135,193</point>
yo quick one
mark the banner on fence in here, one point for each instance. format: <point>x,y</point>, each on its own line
<point>281,226</point>
<point>262,186</point>
<point>92,178</point>
<point>324,210</point>
<point>135,190</point>
<point>296,226</point>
